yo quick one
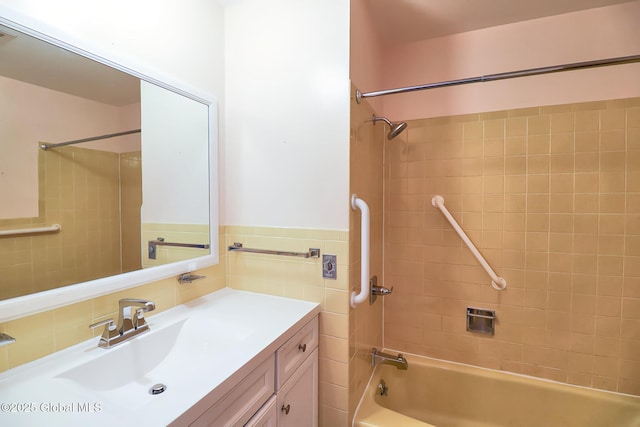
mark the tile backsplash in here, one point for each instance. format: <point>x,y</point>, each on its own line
<point>551,198</point>
<point>44,333</point>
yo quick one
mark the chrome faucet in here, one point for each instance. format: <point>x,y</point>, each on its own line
<point>398,361</point>
<point>130,324</point>
<point>133,320</point>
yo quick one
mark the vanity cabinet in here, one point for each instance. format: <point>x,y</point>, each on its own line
<point>282,391</point>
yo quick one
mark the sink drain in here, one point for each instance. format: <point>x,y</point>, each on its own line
<point>157,389</point>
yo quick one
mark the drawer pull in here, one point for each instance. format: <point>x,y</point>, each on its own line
<point>302,347</point>
<point>286,409</point>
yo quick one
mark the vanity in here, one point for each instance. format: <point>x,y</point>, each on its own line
<point>229,358</point>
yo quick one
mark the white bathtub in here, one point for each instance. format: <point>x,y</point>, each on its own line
<point>444,394</point>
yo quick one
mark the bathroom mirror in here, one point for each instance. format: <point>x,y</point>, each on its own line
<point>111,196</point>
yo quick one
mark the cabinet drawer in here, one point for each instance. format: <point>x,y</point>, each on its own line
<point>266,416</point>
<point>294,352</point>
<point>239,405</point>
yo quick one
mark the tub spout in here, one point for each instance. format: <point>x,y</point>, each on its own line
<point>398,361</point>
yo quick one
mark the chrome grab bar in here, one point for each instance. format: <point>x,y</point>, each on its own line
<point>160,242</point>
<point>238,247</point>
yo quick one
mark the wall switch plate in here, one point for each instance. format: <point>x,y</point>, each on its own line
<point>329,267</point>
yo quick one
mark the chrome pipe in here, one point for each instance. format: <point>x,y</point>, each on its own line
<point>92,138</point>
<point>503,76</point>
<point>398,361</point>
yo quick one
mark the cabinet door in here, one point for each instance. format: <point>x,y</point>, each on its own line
<point>298,398</point>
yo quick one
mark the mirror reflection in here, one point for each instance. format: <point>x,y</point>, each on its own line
<point>111,195</point>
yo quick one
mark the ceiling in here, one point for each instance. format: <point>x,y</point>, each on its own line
<point>34,61</point>
<point>405,21</point>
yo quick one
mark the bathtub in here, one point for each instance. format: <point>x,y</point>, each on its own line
<point>445,394</point>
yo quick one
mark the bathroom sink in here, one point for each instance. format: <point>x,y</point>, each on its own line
<point>125,374</point>
<point>130,362</point>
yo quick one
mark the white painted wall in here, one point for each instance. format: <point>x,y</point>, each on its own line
<point>284,148</point>
<point>287,127</point>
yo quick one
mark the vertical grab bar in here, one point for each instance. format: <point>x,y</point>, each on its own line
<point>357,203</point>
<point>498,283</point>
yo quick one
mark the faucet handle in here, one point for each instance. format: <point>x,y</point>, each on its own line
<point>135,302</point>
<point>139,319</point>
<point>111,326</point>
<point>110,332</point>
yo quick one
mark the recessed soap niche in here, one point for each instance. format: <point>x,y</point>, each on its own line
<point>481,320</point>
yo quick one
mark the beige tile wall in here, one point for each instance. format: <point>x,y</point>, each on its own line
<point>551,197</point>
<point>44,333</point>
<point>366,180</point>
<point>80,191</point>
<point>302,279</point>
<point>130,204</point>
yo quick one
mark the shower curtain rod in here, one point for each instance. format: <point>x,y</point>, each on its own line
<point>504,76</point>
<point>93,138</point>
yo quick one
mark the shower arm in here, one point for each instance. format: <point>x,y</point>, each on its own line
<point>395,129</point>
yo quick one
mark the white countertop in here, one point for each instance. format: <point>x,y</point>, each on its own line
<point>221,338</point>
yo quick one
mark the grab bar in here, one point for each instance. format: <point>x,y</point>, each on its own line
<point>357,203</point>
<point>54,227</point>
<point>238,247</point>
<point>160,242</point>
<point>498,283</point>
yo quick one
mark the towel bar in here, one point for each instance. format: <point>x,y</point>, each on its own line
<point>238,247</point>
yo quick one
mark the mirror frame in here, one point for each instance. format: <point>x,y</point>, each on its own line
<point>47,300</point>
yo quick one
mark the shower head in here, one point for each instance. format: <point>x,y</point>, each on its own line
<point>395,129</point>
